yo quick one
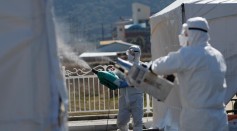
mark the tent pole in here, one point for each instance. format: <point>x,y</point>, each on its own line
<point>183,13</point>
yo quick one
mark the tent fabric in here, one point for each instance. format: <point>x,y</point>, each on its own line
<point>31,81</point>
<point>168,112</point>
<point>222,18</point>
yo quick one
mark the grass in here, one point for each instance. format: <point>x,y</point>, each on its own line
<point>88,97</point>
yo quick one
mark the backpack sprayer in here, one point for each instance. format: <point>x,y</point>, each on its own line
<point>142,78</point>
<point>110,79</point>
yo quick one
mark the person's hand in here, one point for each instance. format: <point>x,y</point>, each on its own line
<point>149,66</point>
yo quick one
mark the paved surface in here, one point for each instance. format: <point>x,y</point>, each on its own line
<point>108,124</point>
<point>98,125</point>
<point>93,125</point>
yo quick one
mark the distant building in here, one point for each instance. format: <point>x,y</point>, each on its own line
<point>120,29</point>
<point>139,34</point>
<point>137,30</point>
<point>106,52</point>
<point>141,13</point>
<point>113,46</point>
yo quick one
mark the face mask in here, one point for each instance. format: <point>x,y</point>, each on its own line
<point>183,40</point>
<point>130,58</point>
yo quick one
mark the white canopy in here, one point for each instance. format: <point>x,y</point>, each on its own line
<point>222,17</point>
<point>30,78</point>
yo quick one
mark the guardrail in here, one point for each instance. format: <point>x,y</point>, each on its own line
<point>87,95</point>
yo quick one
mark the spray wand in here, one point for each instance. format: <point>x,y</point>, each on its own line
<point>141,77</point>
<point>122,65</point>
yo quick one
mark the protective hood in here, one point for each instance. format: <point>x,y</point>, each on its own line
<point>134,54</point>
<point>183,39</point>
<point>197,31</point>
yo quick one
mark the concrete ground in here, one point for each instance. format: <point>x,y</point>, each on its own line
<point>100,123</point>
<point>93,125</point>
<point>97,125</point>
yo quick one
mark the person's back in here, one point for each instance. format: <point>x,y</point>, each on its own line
<point>202,82</point>
<point>204,69</point>
<point>200,71</point>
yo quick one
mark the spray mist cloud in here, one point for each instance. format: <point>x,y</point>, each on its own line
<point>65,51</point>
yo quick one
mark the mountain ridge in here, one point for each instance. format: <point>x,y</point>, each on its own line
<point>88,17</point>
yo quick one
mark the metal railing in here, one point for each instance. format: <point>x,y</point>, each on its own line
<point>87,95</point>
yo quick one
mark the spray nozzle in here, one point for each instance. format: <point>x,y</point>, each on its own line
<point>95,71</point>
<point>122,65</point>
<point>126,65</point>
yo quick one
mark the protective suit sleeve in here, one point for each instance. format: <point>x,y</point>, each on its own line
<point>169,64</point>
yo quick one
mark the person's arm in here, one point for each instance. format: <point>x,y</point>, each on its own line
<point>168,64</point>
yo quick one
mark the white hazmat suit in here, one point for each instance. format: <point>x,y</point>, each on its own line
<point>131,99</point>
<point>201,71</point>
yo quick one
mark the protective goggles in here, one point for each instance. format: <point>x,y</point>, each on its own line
<point>200,29</point>
<point>131,52</point>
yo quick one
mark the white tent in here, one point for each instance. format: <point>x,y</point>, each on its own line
<point>30,78</point>
<point>222,18</point>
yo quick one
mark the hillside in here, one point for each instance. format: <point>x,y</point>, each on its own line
<point>87,17</point>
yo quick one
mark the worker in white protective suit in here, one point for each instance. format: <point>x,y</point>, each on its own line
<point>131,99</point>
<point>200,70</point>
